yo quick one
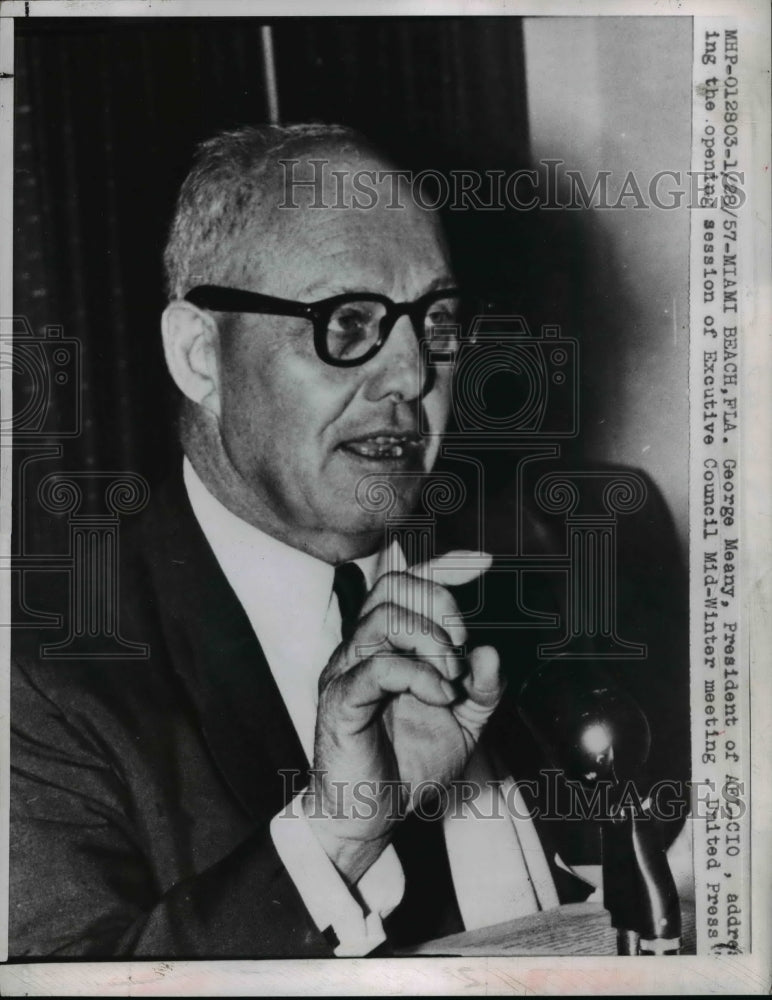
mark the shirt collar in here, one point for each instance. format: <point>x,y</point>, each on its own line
<point>280,587</point>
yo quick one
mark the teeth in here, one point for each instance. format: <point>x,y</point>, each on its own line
<point>383,446</point>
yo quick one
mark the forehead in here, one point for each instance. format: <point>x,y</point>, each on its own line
<point>380,241</point>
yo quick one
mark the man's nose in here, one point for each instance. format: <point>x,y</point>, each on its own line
<point>398,369</point>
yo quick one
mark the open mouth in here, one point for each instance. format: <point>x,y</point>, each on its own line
<point>385,447</point>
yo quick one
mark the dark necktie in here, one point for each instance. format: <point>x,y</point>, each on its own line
<point>350,589</point>
<point>428,908</point>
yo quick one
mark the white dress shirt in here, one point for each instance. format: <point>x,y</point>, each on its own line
<point>498,867</point>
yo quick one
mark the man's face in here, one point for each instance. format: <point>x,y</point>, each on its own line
<point>302,434</point>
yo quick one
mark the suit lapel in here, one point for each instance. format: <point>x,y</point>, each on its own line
<point>218,659</point>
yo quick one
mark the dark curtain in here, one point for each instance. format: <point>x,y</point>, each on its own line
<point>107,116</point>
<point>446,84</point>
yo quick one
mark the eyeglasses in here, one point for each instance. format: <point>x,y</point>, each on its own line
<point>349,329</point>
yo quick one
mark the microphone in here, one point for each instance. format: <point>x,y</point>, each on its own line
<point>597,735</point>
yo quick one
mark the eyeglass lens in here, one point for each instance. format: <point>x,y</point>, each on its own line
<point>354,327</point>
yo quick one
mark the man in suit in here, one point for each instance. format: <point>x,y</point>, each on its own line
<point>254,788</point>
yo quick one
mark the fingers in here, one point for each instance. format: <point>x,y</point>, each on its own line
<point>421,589</point>
<point>421,597</point>
<point>359,689</point>
<point>413,614</point>
<point>394,627</point>
<point>371,681</point>
<point>453,569</point>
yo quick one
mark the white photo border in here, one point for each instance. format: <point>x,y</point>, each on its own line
<point>746,973</point>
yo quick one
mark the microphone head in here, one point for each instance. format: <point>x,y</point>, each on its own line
<point>586,726</point>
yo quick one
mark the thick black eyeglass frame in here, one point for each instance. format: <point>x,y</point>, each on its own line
<point>220,299</point>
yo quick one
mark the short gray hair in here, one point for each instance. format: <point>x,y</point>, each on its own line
<point>222,193</point>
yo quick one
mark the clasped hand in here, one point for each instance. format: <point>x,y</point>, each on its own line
<point>398,703</point>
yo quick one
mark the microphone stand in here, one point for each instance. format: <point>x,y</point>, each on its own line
<point>638,887</point>
<point>596,734</point>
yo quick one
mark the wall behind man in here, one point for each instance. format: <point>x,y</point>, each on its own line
<point>613,94</point>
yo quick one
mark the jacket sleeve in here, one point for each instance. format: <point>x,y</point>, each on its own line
<point>81,885</point>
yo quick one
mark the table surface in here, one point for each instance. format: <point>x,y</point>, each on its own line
<point>573,929</point>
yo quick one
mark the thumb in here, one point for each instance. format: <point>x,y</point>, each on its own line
<point>484,683</point>
<point>484,688</point>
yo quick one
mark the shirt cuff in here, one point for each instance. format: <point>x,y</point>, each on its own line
<point>331,905</point>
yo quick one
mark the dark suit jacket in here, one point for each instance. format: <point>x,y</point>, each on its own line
<point>142,790</point>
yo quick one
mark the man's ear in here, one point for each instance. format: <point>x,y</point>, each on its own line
<point>191,345</point>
